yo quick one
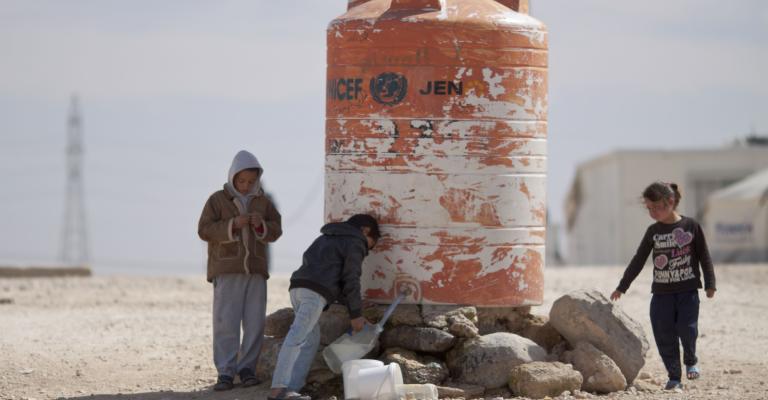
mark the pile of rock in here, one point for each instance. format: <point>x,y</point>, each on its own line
<point>586,344</point>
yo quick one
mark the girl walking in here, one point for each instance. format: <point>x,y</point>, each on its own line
<point>680,260</point>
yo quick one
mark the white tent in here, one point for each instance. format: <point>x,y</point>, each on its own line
<point>736,220</point>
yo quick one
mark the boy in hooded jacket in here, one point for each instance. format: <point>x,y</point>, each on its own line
<point>238,222</point>
<point>330,271</point>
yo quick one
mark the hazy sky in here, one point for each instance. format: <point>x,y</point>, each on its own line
<point>171,90</point>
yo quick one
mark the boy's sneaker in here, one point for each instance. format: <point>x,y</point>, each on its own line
<point>673,384</point>
<point>247,378</point>
<point>223,383</point>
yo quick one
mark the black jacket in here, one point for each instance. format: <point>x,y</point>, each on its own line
<point>331,266</point>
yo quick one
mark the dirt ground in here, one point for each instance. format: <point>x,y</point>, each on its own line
<point>110,338</point>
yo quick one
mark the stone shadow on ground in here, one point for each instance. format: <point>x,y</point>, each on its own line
<point>253,393</point>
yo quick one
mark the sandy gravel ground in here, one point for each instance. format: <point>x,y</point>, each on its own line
<point>110,338</point>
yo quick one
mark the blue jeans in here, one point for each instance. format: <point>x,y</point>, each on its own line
<point>300,345</point>
<point>674,319</point>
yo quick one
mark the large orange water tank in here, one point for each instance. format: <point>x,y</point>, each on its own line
<point>436,122</point>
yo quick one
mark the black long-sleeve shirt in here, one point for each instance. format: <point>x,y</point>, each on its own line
<point>680,258</point>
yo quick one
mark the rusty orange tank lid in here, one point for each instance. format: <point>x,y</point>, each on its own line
<point>520,6</point>
<point>488,14</point>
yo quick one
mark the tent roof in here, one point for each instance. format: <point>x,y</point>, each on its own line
<point>754,186</point>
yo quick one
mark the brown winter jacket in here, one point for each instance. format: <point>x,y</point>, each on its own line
<point>228,252</point>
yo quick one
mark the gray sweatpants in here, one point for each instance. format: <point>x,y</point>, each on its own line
<point>238,298</point>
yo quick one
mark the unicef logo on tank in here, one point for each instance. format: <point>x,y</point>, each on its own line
<point>389,88</point>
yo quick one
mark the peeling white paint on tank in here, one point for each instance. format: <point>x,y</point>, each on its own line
<point>452,163</point>
<point>493,82</point>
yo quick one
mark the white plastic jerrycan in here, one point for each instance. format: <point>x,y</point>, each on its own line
<point>350,347</point>
<point>355,346</point>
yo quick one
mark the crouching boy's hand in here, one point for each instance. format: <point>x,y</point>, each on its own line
<point>358,324</point>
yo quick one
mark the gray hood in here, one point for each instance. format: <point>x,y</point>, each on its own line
<point>244,160</point>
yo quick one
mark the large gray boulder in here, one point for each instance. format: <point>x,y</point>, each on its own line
<point>436,316</point>
<point>333,322</point>
<point>404,314</point>
<point>487,360</point>
<point>427,340</point>
<point>501,319</point>
<point>601,374</point>
<point>415,368</point>
<point>543,379</point>
<point>270,348</point>
<point>279,322</point>
<point>538,329</point>
<point>319,371</point>
<point>461,326</point>
<point>588,316</point>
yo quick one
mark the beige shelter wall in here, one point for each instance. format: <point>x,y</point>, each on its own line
<point>618,217</point>
<point>731,242</point>
<point>599,191</point>
<point>731,212</point>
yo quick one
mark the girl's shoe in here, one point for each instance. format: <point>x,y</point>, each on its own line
<point>673,384</point>
<point>692,372</point>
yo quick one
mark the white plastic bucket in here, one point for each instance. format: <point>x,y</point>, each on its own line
<point>349,373</point>
<point>377,382</point>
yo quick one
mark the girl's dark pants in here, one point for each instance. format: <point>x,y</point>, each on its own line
<point>674,318</point>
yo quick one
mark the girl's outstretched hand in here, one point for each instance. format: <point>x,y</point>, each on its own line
<point>615,295</point>
<point>710,293</point>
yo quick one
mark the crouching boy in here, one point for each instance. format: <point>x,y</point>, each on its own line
<point>330,271</point>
